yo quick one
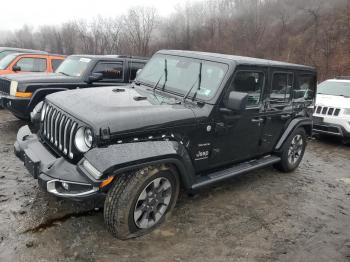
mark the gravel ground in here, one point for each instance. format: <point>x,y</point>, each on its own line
<point>261,216</point>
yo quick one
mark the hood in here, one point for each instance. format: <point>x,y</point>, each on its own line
<point>121,112</point>
<point>41,78</point>
<point>333,101</point>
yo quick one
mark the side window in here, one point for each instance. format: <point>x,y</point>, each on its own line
<point>55,64</point>
<point>134,66</point>
<point>250,82</point>
<point>282,84</point>
<point>28,64</point>
<point>110,71</point>
<point>306,88</point>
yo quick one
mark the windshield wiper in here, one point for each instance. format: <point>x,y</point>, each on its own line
<point>64,73</point>
<point>199,81</point>
<point>165,73</point>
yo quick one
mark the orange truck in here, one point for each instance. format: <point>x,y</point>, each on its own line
<point>29,62</point>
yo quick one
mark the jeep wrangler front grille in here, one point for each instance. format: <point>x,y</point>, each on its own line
<point>329,111</point>
<point>5,86</point>
<point>59,130</point>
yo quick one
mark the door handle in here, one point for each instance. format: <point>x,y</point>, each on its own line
<point>258,120</point>
<point>284,117</point>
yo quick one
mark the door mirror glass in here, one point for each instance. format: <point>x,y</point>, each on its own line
<point>95,77</point>
<point>16,68</point>
<point>237,101</point>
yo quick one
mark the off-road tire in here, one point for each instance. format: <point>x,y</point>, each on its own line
<point>285,165</point>
<point>121,199</point>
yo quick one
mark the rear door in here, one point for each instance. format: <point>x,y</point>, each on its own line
<point>278,108</point>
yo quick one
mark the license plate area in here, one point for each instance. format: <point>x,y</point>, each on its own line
<point>318,120</point>
<point>31,164</point>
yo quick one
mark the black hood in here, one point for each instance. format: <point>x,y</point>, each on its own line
<point>29,78</point>
<point>121,112</point>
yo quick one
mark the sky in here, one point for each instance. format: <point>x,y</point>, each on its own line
<point>16,13</point>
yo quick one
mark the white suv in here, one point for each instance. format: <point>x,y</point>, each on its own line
<point>332,109</point>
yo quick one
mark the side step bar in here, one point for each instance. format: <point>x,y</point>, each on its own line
<point>233,171</point>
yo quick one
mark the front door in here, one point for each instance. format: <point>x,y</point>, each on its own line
<point>238,135</point>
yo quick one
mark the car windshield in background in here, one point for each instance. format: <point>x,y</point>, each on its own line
<point>73,66</point>
<point>4,63</point>
<point>179,74</point>
<point>334,88</point>
<point>4,53</point>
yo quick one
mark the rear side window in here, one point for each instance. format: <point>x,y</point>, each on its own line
<point>306,88</point>
<point>134,67</point>
<point>32,64</point>
<point>110,71</point>
<point>251,82</point>
<point>282,84</point>
<point>56,63</point>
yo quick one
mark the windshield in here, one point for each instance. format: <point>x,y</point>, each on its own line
<point>73,66</point>
<point>179,74</point>
<point>4,62</point>
<point>4,53</point>
<point>334,88</point>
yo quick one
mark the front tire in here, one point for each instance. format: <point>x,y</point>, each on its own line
<point>293,151</point>
<point>140,201</point>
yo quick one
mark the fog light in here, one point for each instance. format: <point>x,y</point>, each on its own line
<point>65,186</point>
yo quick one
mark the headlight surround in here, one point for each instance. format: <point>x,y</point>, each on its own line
<point>13,88</point>
<point>83,139</point>
<point>346,111</point>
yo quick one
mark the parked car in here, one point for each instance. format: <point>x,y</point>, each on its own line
<point>21,93</point>
<point>27,62</point>
<point>189,120</point>
<point>4,51</point>
<point>332,110</point>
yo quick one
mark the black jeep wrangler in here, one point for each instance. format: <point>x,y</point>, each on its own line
<point>189,120</point>
<point>76,71</point>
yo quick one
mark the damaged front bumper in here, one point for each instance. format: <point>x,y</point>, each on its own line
<point>58,176</point>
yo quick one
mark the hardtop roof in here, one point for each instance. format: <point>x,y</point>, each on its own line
<point>238,60</point>
<point>109,57</point>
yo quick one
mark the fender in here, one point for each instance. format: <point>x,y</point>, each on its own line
<point>294,124</point>
<point>40,94</point>
<point>119,158</point>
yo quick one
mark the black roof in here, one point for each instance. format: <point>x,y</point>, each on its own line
<point>21,50</point>
<point>237,60</point>
<point>110,57</point>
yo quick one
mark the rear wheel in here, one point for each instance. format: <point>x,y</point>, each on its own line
<point>293,151</point>
<point>140,201</point>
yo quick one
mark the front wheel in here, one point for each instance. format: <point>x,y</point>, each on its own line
<point>140,201</point>
<point>293,151</point>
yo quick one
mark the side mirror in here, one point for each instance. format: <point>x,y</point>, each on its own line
<point>16,68</point>
<point>237,101</point>
<point>138,72</point>
<point>95,77</point>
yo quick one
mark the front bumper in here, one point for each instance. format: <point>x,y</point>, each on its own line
<point>58,176</point>
<point>331,129</point>
<point>18,106</point>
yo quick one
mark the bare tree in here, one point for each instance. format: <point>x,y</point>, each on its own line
<point>139,25</point>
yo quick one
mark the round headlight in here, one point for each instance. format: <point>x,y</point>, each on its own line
<point>83,139</point>
<point>43,112</point>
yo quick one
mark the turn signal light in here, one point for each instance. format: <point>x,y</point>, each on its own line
<point>23,94</point>
<point>106,182</point>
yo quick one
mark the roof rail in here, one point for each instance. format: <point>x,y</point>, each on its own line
<point>343,77</point>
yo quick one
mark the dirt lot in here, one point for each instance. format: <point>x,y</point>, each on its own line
<point>262,216</point>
